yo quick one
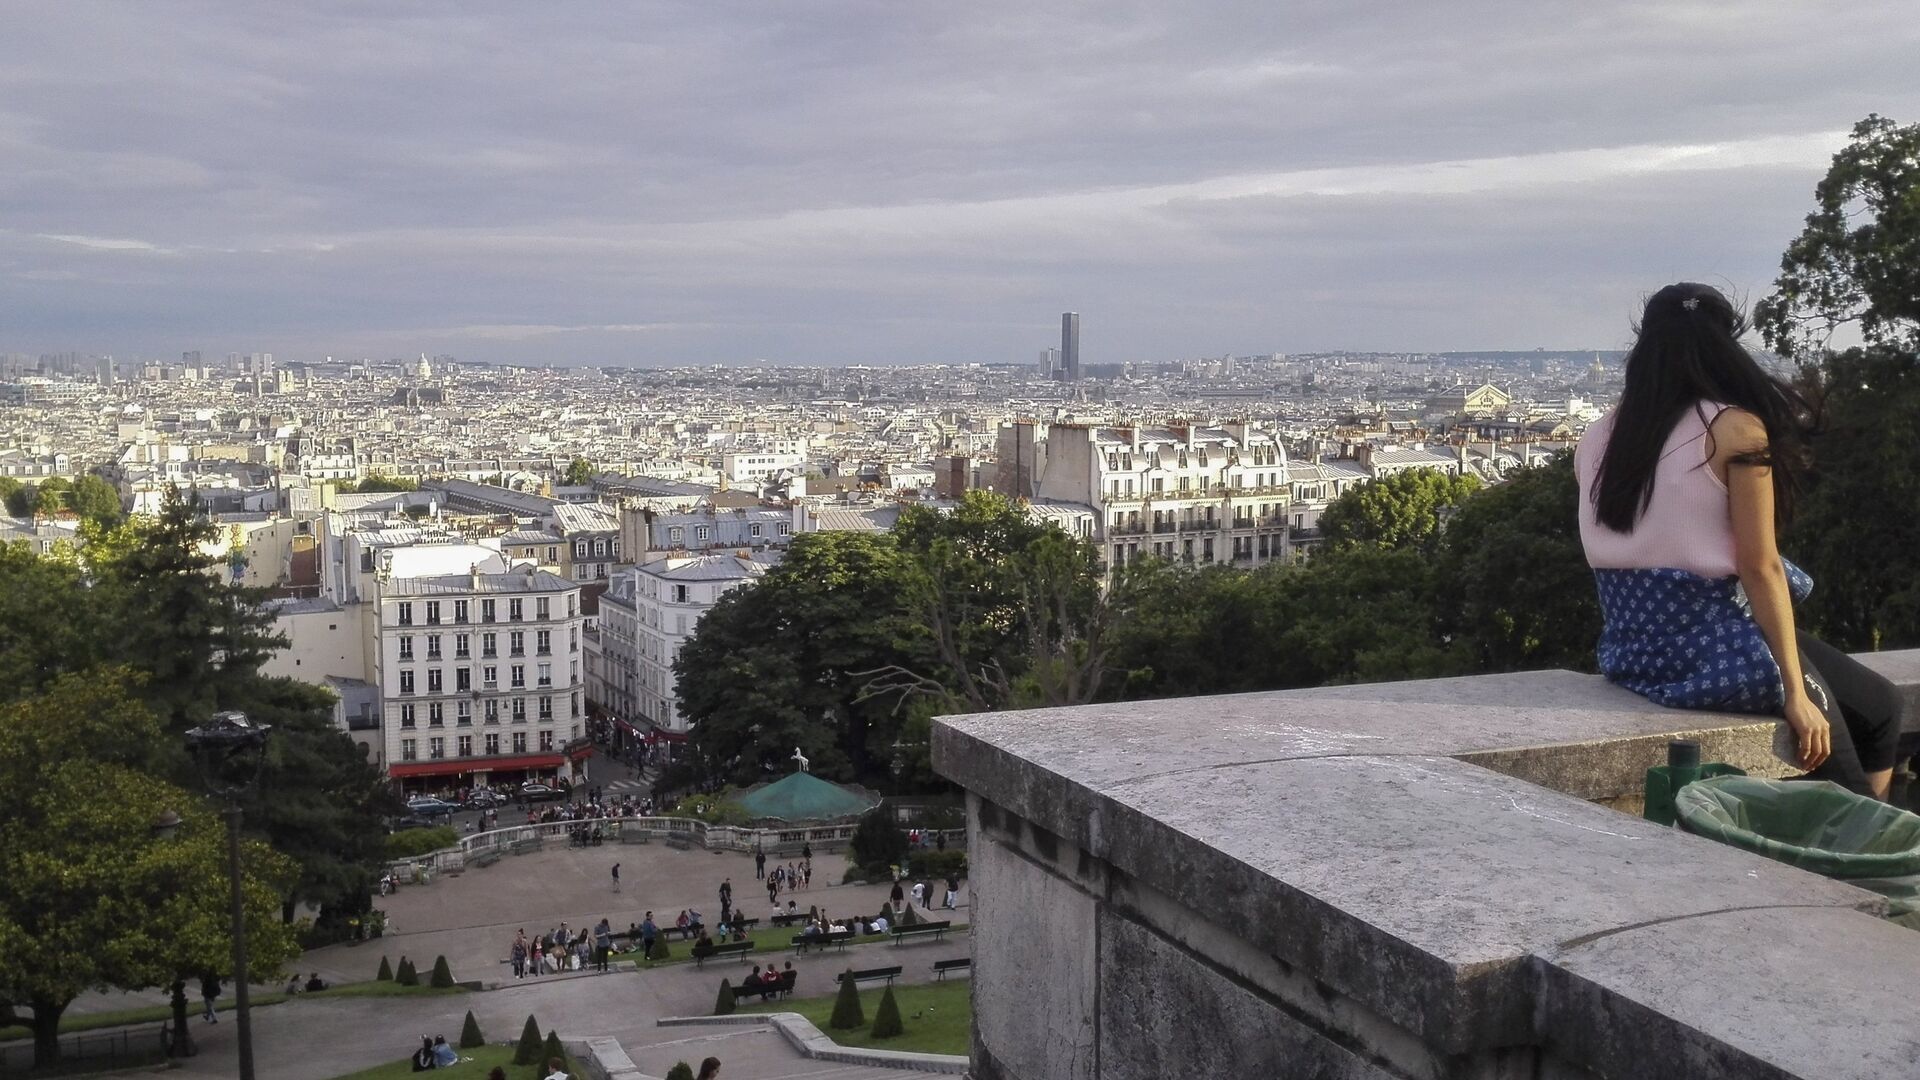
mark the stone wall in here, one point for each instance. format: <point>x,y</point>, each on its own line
<point>1408,880</point>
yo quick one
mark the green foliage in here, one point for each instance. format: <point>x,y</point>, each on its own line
<point>1515,592</point>
<point>375,484</point>
<point>886,1018</point>
<point>470,1036</point>
<point>407,976</point>
<point>680,1071</point>
<point>410,842</point>
<point>724,1004</point>
<point>847,1013</point>
<point>95,500</point>
<point>442,978</point>
<point>930,863</point>
<point>661,951</point>
<point>386,971</point>
<point>579,473</point>
<point>1857,262</point>
<point>877,840</point>
<point>90,897</point>
<point>551,1050</point>
<point>1402,510</point>
<point>527,1052</point>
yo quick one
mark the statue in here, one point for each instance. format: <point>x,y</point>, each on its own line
<point>800,759</point>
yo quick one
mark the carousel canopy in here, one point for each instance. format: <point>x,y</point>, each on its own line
<point>802,796</point>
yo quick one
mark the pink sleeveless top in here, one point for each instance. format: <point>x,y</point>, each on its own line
<point>1687,526</point>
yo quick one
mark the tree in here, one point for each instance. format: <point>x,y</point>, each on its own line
<point>386,971</point>
<point>1514,589</point>
<point>1402,510</point>
<point>527,1051</point>
<point>96,500</point>
<point>376,483</point>
<point>470,1037</point>
<point>442,978</point>
<point>724,1004</point>
<point>551,1050</point>
<point>90,899</point>
<point>876,840</point>
<point>10,489</point>
<point>847,1013</point>
<point>579,473</point>
<point>23,500</point>
<point>680,1071</point>
<point>886,1018</point>
<point>1857,262</point>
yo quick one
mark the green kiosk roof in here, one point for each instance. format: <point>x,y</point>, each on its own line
<point>803,796</point>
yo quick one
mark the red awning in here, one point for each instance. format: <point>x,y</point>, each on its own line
<point>471,765</point>
<point>582,753</point>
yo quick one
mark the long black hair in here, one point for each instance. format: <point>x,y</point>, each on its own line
<point>1688,352</point>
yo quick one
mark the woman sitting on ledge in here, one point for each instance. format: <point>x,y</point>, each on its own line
<point>1682,482</point>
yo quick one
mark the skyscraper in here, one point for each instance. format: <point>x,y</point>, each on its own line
<point>1070,345</point>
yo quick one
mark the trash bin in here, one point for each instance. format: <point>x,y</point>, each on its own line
<point>1816,826</point>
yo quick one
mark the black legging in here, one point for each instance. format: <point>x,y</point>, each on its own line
<point>1866,731</point>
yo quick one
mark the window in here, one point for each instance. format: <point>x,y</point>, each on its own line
<point>786,528</point>
<point>405,613</point>
<point>679,594</point>
<point>436,714</point>
<point>433,613</point>
<point>573,672</point>
<point>514,610</point>
<point>582,571</point>
<point>460,646</point>
<point>540,609</point>
<point>519,710</point>
<point>553,553</point>
<point>463,678</point>
<point>433,681</point>
<point>460,616</point>
<point>491,711</point>
<point>546,740</point>
<point>573,639</point>
<point>546,674</point>
<point>754,529</point>
<point>676,536</point>
<point>576,704</point>
<point>437,747</point>
<point>546,707</point>
<point>679,624</point>
<point>519,672</point>
<point>433,646</point>
<point>580,549</point>
<point>573,604</point>
<point>407,752</point>
<point>406,682</point>
<point>490,677</point>
<point>486,611</point>
<point>517,643</point>
<point>465,745</point>
<point>701,532</point>
<point>519,742</point>
<point>543,642</point>
<point>406,714</point>
<point>406,647</point>
<point>489,644</point>
<point>493,742</point>
<point>463,713</point>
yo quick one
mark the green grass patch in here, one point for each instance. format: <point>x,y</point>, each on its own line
<point>765,942</point>
<point>483,1060</point>
<point>153,1014</point>
<point>936,1017</point>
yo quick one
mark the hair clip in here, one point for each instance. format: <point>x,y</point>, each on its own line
<point>1691,303</point>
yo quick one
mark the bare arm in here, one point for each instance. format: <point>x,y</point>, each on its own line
<point>1757,560</point>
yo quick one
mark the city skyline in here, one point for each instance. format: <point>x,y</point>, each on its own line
<point>866,186</point>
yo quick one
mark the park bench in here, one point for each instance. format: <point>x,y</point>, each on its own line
<point>687,933</point>
<point>484,857</point>
<point>731,948</point>
<point>531,843</point>
<point>887,973</point>
<point>679,843</point>
<point>936,930</point>
<point>745,924</point>
<point>636,836</point>
<point>781,989</point>
<point>789,920</point>
<point>803,942</point>
<point>584,839</point>
<point>942,967</point>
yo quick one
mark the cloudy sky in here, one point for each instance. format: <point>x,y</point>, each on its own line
<point>875,182</point>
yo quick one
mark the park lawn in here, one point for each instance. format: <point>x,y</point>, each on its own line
<point>764,944</point>
<point>945,1017</point>
<point>484,1059</point>
<point>153,1014</point>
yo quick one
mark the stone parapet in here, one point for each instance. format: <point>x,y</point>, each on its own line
<point>1399,880</point>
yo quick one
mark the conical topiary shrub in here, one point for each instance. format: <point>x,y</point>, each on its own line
<point>847,1014</point>
<point>660,950</point>
<point>386,971</point>
<point>724,1004</point>
<point>680,1071</point>
<point>886,1018</point>
<point>552,1051</point>
<point>442,975</point>
<point>470,1036</point>
<point>528,1051</point>
<point>406,976</point>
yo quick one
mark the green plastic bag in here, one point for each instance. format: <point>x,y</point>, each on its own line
<point>1816,826</point>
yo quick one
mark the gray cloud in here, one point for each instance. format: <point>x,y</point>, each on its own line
<point>866,181</point>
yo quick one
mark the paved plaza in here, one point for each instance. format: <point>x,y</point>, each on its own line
<point>471,917</point>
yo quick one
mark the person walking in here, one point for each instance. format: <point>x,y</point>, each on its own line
<point>616,877</point>
<point>759,864</point>
<point>517,953</point>
<point>953,891</point>
<point>648,932</point>
<point>602,943</point>
<point>209,990</point>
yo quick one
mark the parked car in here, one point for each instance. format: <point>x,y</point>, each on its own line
<point>428,806</point>
<point>410,821</point>
<point>483,799</point>
<point>533,792</point>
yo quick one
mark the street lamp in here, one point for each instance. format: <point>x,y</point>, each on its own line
<point>230,750</point>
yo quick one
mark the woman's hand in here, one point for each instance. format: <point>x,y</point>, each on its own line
<point>1810,728</point>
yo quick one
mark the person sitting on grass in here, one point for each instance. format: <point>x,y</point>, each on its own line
<point>423,1058</point>
<point>314,983</point>
<point>880,924</point>
<point>444,1055</point>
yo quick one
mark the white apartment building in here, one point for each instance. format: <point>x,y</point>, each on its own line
<point>480,678</point>
<point>646,615</point>
<point>1203,495</point>
<point>754,466</point>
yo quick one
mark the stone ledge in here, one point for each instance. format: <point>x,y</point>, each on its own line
<point>603,1058</point>
<point>812,1043</point>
